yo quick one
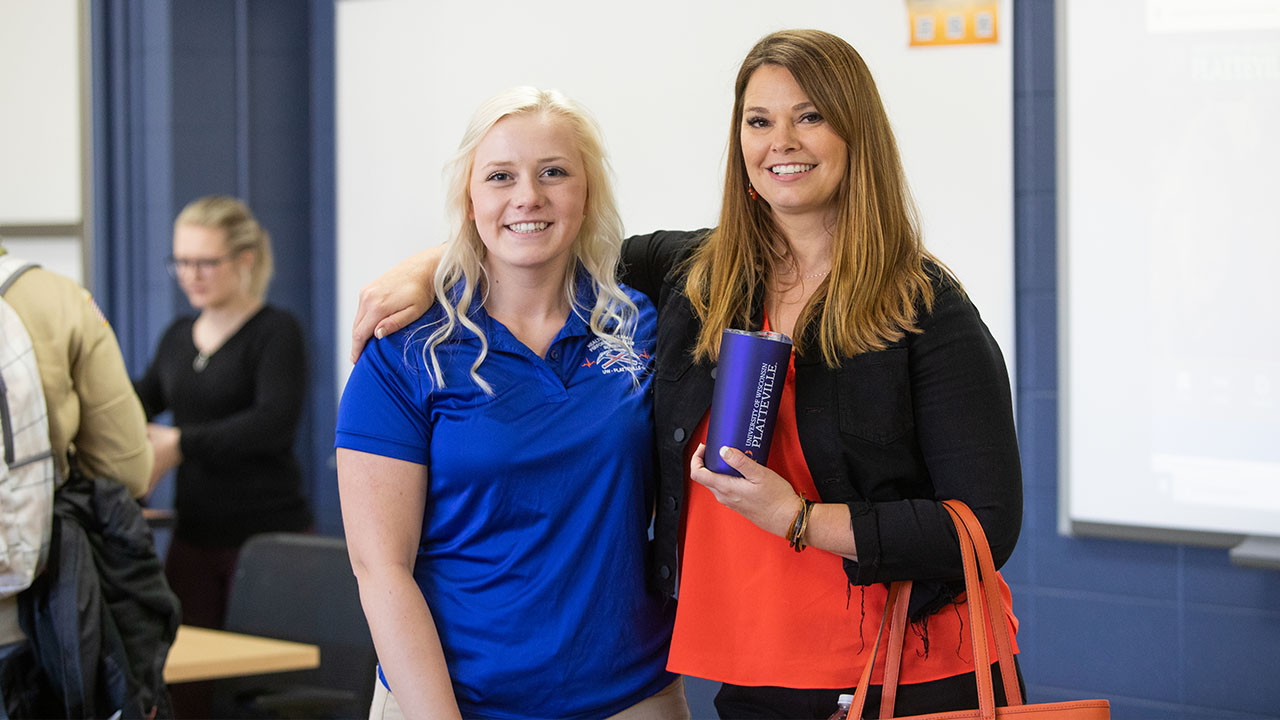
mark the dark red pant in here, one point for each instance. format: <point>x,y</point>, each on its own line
<point>201,578</point>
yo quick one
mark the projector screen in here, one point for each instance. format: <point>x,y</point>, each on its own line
<point>1169,164</point>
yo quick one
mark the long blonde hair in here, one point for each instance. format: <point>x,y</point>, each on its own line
<point>461,275</point>
<point>878,273</point>
<point>225,213</point>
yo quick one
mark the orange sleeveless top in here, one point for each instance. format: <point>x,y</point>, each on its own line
<point>752,611</point>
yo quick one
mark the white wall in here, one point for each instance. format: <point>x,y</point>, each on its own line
<point>658,75</point>
<point>41,152</point>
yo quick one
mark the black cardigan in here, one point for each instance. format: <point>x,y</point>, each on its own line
<point>890,433</point>
<point>239,416</point>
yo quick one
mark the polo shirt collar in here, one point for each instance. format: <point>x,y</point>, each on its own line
<point>575,325</point>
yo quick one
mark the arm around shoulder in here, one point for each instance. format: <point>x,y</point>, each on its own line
<point>648,259</point>
<point>396,298</point>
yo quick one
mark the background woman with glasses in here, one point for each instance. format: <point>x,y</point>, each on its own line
<point>233,376</point>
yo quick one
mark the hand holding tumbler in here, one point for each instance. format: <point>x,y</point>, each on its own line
<point>744,404</point>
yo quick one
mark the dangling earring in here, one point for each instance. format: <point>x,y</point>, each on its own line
<point>752,192</point>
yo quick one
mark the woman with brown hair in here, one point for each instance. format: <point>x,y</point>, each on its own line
<point>897,399</point>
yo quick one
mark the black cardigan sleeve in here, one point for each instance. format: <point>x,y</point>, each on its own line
<point>647,260</point>
<point>963,416</point>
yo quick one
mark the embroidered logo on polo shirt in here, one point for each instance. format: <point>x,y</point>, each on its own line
<point>614,360</point>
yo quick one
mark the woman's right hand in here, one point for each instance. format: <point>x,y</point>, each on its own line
<point>166,443</point>
<point>396,298</point>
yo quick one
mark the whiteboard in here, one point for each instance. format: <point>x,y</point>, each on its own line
<point>40,147</point>
<point>1170,393</point>
<point>658,76</point>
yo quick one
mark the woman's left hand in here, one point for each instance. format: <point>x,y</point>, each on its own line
<point>761,495</point>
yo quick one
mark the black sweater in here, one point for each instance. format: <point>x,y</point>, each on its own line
<point>238,417</point>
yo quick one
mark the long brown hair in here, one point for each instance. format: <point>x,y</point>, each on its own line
<point>878,274</point>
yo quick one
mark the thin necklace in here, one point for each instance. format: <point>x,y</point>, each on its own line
<point>201,360</point>
<point>815,275</point>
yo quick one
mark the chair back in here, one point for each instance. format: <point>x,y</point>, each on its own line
<point>300,587</point>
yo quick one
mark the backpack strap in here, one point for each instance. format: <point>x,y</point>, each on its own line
<point>13,277</point>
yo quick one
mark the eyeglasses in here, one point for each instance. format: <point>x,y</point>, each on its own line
<point>200,265</point>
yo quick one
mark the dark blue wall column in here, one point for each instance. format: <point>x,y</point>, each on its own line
<point>324,268</point>
<point>197,97</point>
<point>132,171</point>
<point>1163,631</point>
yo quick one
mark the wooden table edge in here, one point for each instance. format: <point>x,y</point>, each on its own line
<point>270,655</point>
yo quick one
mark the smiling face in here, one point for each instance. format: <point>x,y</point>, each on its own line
<point>208,272</point>
<point>794,159</point>
<point>528,193</point>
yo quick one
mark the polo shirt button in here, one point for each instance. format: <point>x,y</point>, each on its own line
<point>679,435</point>
<point>665,572</point>
<point>554,354</point>
<point>671,502</point>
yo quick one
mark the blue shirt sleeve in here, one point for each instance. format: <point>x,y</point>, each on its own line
<point>385,408</point>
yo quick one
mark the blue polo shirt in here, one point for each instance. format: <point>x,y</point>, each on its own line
<point>536,525</point>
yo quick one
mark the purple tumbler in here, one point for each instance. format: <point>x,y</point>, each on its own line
<point>744,404</point>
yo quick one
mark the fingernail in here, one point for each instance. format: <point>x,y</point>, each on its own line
<point>379,333</point>
<point>724,451</point>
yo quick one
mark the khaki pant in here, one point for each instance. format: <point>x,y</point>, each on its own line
<point>667,704</point>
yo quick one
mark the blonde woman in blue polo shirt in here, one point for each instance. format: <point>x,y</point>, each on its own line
<point>494,457</point>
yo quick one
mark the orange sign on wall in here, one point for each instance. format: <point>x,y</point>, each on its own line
<point>952,22</point>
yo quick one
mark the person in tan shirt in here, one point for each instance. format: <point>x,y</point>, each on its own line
<point>93,411</point>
